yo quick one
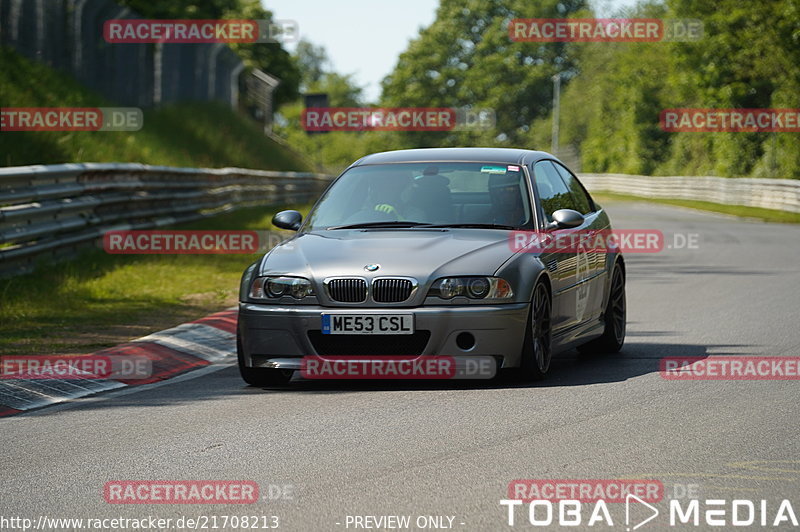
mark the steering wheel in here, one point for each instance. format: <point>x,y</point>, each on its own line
<point>367,215</point>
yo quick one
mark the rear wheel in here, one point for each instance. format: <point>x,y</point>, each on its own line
<point>261,376</point>
<point>614,316</point>
<point>537,351</point>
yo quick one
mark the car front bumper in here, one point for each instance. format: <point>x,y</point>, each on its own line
<point>275,336</point>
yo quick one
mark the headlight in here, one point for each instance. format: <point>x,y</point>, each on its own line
<point>471,287</point>
<point>276,287</point>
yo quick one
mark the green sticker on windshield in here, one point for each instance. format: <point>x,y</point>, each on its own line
<point>493,169</point>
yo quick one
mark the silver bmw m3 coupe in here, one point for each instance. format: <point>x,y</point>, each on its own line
<point>436,252</point>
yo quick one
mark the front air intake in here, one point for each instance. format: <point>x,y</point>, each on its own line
<point>347,290</point>
<point>391,290</point>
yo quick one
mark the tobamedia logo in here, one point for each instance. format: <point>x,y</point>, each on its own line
<point>634,504</point>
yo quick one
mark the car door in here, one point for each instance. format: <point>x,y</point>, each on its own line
<point>595,281</point>
<point>567,267</point>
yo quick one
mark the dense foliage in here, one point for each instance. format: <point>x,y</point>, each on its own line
<point>612,93</point>
<point>748,58</point>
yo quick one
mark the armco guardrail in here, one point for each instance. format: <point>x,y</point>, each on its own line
<point>48,212</point>
<point>778,194</point>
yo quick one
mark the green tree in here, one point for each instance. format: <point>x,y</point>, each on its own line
<point>312,61</point>
<point>748,58</point>
<point>342,91</point>
<point>467,59</point>
<point>332,151</point>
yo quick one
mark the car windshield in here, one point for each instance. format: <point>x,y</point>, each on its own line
<point>417,194</point>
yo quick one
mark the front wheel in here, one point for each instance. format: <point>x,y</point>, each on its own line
<point>614,316</point>
<point>261,376</point>
<point>537,350</point>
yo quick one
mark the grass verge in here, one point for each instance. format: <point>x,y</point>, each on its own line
<point>99,300</point>
<point>203,134</point>
<point>767,215</point>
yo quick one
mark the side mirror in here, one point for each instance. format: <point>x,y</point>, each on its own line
<point>288,220</point>
<point>565,219</point>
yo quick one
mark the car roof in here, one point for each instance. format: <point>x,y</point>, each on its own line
<point>494,155</point>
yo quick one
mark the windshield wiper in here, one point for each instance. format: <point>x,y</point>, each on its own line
<point>393,223</point>
<point>476,226</point>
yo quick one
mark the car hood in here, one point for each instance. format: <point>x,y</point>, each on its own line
<point>420,253</point>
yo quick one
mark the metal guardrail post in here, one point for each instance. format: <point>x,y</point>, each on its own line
<point>48,212</point>
<point>777,194</point>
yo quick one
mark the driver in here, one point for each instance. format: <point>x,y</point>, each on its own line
<point>426,197</point>
<point>385,195</point>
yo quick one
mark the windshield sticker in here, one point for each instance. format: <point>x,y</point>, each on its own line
<point>493,170</point>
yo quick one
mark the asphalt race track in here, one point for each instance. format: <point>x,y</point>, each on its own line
<point>451,448</point>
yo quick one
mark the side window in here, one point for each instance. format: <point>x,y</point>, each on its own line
<point>582,198</point>
<point>553,193</point>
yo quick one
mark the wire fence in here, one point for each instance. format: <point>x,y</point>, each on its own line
<point>68,35</point>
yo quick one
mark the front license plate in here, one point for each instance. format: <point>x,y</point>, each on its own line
<point>367,324</point>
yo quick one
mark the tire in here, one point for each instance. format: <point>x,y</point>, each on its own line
<point>537,351</point>
<point>614,317</point>
<point>261,376</point>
